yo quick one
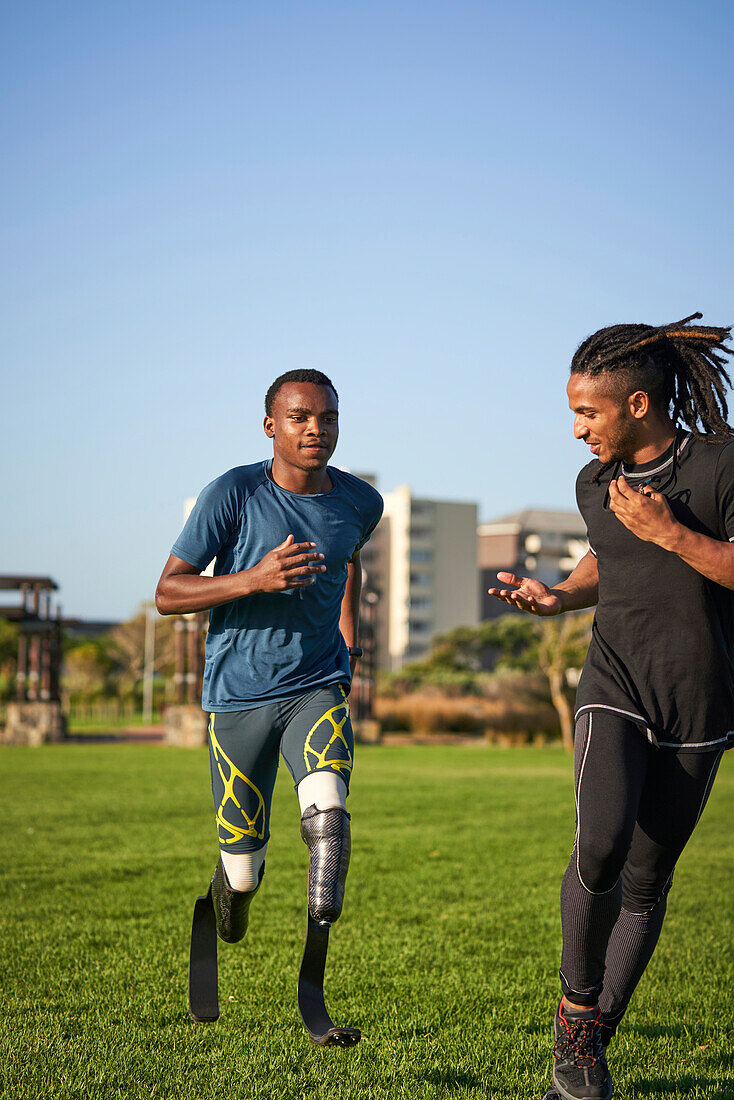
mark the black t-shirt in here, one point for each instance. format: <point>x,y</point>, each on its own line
<point>662,647</point>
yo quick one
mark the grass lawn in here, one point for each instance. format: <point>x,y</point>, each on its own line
<point>111,725</point>
<point>446,955</point>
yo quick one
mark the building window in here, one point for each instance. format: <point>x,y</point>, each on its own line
<point>421,557</point>
<point>418,627</point>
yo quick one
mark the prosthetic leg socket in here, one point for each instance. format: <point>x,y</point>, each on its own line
<point>326,834</point>
<point>231,907</point>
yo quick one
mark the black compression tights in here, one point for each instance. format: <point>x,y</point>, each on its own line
<point>636,807</point>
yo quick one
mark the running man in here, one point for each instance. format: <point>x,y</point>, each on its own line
<point>655,703</point>
<point>281,649</point>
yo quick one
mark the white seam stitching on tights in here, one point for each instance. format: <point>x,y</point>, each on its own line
<point>615,710</point>
<point>709,784</point>
<point>693,746</point>
<point>661,895</point>
<point>587,746</point>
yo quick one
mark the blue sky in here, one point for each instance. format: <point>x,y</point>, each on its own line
<point>433,202</point>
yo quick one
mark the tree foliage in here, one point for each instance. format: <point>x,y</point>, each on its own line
<point>460,660</point>
<point>128,646</point>
<point>89,669</point>
<point>112,665</point>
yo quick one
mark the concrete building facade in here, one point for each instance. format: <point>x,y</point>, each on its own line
<point>536,543</point>
<point>430,552</point>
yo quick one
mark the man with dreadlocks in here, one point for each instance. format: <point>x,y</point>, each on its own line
<point>655,703</point>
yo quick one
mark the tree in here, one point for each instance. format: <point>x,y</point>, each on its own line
<point>89,670</point>
<point>562,644</point>
<point>111,665</point>
<point>553,645</point>
<point>128,646</point>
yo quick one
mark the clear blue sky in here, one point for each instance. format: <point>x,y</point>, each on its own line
<point>433,202</point>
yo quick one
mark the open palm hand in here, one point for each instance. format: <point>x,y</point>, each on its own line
<point>527,594</point>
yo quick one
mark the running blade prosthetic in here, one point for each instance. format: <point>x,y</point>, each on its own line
<point>311,1004</point>
<point>221,912</point>
<point>203,978</point>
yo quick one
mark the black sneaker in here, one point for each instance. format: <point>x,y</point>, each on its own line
<point>607,1034</point>
<point>580,1070</point>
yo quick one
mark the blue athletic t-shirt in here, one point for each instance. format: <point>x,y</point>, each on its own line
<point>270,647</point>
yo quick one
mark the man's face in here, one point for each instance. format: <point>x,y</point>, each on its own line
<point>304,425</point>
<point>604,422</point>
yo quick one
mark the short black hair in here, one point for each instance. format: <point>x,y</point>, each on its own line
<point>316,377</point>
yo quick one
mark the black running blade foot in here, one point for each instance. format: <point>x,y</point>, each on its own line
<point>311,1004</point>
<point>339,1037</point>
<point>203,980</point>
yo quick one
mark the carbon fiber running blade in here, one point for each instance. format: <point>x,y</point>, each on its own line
<point>203,978</point>
<point>311,1004</point>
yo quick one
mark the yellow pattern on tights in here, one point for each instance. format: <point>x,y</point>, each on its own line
<point>315,759</point>
<point>249,825</point>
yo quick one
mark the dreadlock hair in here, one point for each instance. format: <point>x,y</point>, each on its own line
<point>316,377</point>
<point>680,366</point>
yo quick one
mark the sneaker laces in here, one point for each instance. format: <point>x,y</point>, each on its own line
<point>577,1042</point>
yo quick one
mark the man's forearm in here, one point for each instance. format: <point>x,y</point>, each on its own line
<point>181,593</point>
<point>581,588</point>
<point>710,557</point>
<point>349,618</point>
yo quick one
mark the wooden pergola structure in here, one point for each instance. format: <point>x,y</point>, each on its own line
<point>189,632</point>
<point>39,640</point>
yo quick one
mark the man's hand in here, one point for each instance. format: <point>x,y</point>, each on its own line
<point>289,565</point>
<point>644,512</point>
<point>527,594</point>
<point>182,589</point>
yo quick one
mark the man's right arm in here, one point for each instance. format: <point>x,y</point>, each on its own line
<point>181,588</point>
<point>580,589</point>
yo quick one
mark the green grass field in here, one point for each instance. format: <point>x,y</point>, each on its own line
<point>446,955</point>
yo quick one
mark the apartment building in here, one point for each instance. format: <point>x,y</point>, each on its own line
<point>429,551</point>
<point>534,543</point>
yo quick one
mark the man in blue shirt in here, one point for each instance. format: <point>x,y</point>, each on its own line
<point>285,535</point>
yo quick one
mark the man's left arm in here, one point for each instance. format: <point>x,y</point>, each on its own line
<point>349,618</point>
<point>647,514</point>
